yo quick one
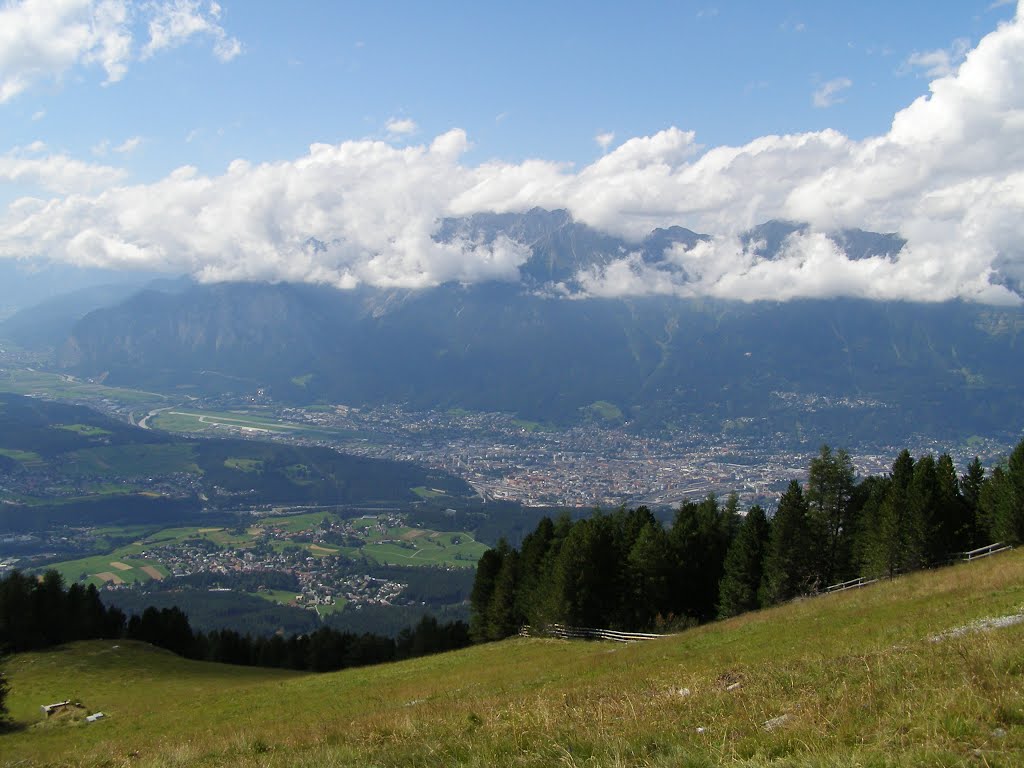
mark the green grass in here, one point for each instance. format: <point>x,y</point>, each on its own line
<point>83,429</point>
<point>603,410</point>
<point>427,493</point>
<point>72,570</point>
<point>64,387</point>
<point>854,677</point>
<point>295,523</point>
<point>132,460</point>
<point>244,465</point>
<point>25,457</point>
<point>337,607</point>
<point>281,596</point>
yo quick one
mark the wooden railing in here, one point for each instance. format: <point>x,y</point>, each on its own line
<point>974,554</point>
<point>851,584</point>
<point>586,633</point>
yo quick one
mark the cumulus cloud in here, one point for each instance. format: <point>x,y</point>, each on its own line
<point>940,62</point>
<point>828,93</point>
<point>370,207</point>
<point>948,175</point>
<point>604,140</point>
<point>61,174</point>
<point>401,126</point>
<point>42,39</point>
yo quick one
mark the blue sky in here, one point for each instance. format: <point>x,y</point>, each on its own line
<point>459,107</point>
<point>523,79</point>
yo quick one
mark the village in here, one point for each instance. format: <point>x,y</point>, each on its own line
<point>315,567</point>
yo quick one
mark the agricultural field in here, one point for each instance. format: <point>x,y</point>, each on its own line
<point>274,543</point>
<point>926,669</point>
<point>58,386</point>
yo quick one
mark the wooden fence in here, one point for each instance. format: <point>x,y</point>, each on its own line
<point>586,633</point>
<point>974,554</point>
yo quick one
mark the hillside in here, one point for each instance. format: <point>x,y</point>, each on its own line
<point>548,350</point>
<point>859,678</point>
<point>68,464</point>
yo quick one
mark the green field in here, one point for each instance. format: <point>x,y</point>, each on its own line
<point>90,567</point>
<point>282,596</point>
<point>64,387</point>
<point>83,429</point>
<point>132,460</point>
<point>397,545</point>
<point>854,679</point>
<point>427,493</point>
<point>25,457</point>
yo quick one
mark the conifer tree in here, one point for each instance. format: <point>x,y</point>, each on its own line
<point>953,522</point>
<point>893,539</point>
<point>649,568</point>
<point>744,566</point>
<point>1001,501</point>
<point>503,619</point>
<point>487,570</point>
<point>700,538</point>
<point>830,486</point>
<point>788,567</point>
<point>970,487</point>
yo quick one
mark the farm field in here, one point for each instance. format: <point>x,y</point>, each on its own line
<point>384,539</point>
<point>926,669</point>
<point>65,387</point>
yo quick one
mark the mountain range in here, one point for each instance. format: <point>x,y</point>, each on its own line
<point>540,348</point>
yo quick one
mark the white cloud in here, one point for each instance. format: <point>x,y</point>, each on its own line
<point>940,62</point>
<point>178,21</point>
<point>948,175</point>
<point>54,173</point>
<point>41,40</point>
<point>604,140</point>
<point>39,115</point>
<point>827,94</point>
<point>401,126</point>
<point>129,145</point>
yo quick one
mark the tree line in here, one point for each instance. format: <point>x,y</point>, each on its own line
<point>626,570</point>
<point>37,613</point>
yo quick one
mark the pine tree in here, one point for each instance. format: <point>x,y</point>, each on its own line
<point>830,486</point>
<point>970,487</point>
<point>788,567</point>
<point>483,590</point>
<point>700,538</point>
<point>1001,501</point>
<point>503,619</point>
<point>649,567</point>
<point>744,566</point>
<point>893,541</point>
<point>953,522</point>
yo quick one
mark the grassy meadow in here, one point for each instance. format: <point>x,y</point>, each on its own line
<point>854,679</point>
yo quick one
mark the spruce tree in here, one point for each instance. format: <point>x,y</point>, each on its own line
<point>744,566</point>
<point>649,568</point>
<point>953,522</point>
<point>788,567</point>
<point>893,539</point>
<point>483,590</point>
<point>970,487</point>
<point>1001,501</point>
<point>503,619</point>
<point>830,486</point>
